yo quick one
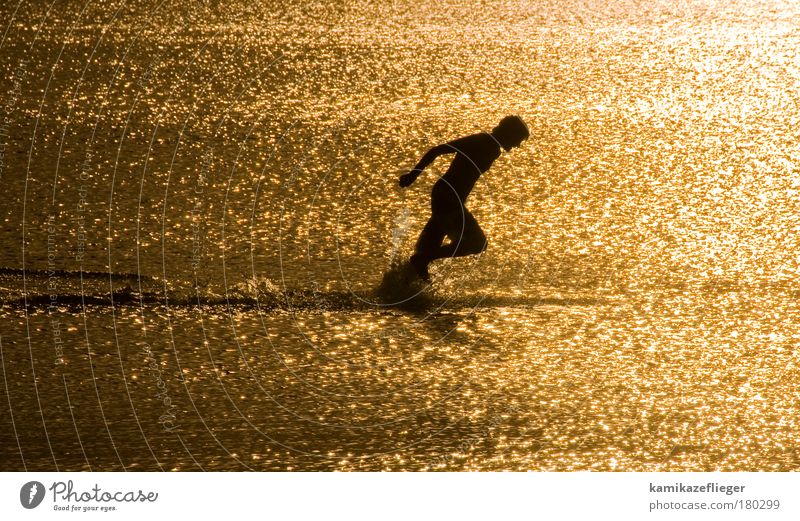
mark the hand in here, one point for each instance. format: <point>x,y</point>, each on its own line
<point>407,179</point>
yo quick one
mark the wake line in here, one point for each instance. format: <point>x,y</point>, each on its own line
<point>293,300</point>
<point>399,290</point>
<point>289,300</point>
<point>65,274</point>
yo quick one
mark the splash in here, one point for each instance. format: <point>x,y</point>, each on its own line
<point>401,287</point>
<point>256,288</point>
<point>402,224</point>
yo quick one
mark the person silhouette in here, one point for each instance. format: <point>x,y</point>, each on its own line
<point>449,215</point>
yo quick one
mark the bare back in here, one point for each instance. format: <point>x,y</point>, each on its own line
<point>474,155</point>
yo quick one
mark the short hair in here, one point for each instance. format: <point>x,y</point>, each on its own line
<point>512,127</point>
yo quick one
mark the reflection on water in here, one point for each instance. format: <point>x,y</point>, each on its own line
<point>702,381</point>
<point>235,168</point>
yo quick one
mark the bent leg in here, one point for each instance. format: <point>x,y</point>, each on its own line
<point>430,239</point>
<point>466,236</point>
<point>427,246</point>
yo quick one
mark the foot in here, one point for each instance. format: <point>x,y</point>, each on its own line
<point>421,267</point>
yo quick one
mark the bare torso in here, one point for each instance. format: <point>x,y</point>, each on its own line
<point>474,155</point>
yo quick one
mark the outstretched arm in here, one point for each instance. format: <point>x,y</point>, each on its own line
<point>427,159</point>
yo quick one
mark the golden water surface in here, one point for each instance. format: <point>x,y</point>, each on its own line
<point>225,176</point>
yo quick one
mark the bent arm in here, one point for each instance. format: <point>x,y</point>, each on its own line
<point>431,155</point>
<point>426,160</point>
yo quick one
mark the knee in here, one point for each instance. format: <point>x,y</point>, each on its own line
<point>477,245</point>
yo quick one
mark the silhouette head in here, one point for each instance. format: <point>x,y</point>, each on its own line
<point>511,132</point>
